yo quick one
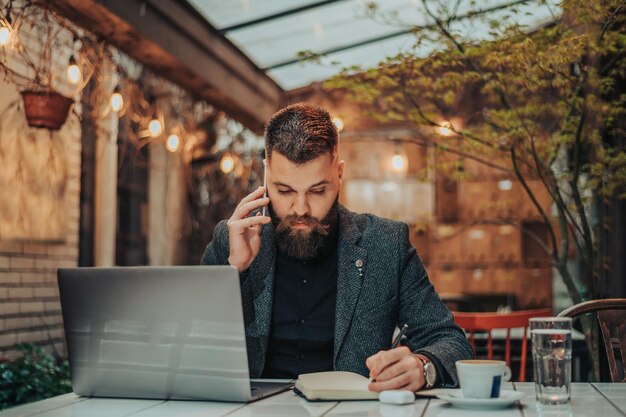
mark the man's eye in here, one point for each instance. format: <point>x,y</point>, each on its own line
<point>284,192</point>
<point>319,192</point>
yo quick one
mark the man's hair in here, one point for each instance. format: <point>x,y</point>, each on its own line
<point>301,132</point>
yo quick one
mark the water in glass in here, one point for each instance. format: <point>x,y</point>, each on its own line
<point>552,359</point>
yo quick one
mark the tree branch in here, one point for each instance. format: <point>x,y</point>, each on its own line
<point>430,144</point>
<point>587,236</point>
<point>556,196</point>
<point>557,254</point>
<point>543,215</point>
<point>433,123</point>
<point>609,65</point>
<point>611,19</point>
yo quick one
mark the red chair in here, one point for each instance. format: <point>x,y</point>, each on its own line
<point>486,322</point>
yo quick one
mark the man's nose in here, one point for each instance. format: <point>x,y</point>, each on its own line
<point>301,206</point>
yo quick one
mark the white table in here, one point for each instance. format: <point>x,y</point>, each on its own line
<point>594,400</point>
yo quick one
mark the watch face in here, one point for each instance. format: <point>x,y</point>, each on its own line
<point>431,374</point>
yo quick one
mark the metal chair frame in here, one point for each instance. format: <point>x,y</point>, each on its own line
<point>611,314</point>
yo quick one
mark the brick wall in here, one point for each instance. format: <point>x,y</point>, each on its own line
<point>29,301</point>
<point>29,297</point>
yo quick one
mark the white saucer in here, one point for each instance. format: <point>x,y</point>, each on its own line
<point>456,398</point>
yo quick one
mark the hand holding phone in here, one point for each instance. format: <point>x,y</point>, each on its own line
<point>244,230</point>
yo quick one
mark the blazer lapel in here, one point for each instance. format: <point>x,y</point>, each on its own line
<point>352,261</point>
<point>262,287</point>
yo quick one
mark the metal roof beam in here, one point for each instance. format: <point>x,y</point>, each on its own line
<point>279,15</point>
<point>338,49</point>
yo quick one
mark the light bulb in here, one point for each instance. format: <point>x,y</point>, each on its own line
<point>338,122</point>
<point>505,185</point>
<point>172,143</point>
<point>116,102</point>
<point>399,163</point>
<point>73,73</point>
<point>155,128</point>
<point>5,36</point>
<point>444,128</point>
<point>227,164</point>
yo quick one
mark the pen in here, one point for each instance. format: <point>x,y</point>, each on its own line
<point>396,341</point>
<point>399,337</point>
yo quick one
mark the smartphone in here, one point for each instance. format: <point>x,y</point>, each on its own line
<point>264,208</point>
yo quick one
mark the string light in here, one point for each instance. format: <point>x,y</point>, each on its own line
<point>227,164</point>
<point>338,122</point>
<point>505,185</point>
<point>172,143</point>
<point>399,161</point>
<point>444,128</point>
<point>117,100</point>
<point>73,71</point>
<point>5,35</point>
<point>155,127</point>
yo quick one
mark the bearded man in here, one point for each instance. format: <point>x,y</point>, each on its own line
<point>324,288</point>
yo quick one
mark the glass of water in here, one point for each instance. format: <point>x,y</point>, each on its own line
<point>552,358</point>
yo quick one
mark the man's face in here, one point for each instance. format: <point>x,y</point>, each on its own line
<point>306,190</point>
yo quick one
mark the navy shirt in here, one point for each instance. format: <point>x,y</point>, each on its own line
<point>303,318</point>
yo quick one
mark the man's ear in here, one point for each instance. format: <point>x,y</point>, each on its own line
<point>340,167</point>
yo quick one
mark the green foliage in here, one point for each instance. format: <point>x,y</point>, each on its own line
<point>36,375</point>
<point>547,105</point>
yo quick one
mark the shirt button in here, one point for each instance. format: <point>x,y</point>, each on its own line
<point>302,322</point>
<point>304,281</point>
<point>302,356</point>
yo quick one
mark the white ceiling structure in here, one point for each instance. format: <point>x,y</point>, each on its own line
<point>272,32</point>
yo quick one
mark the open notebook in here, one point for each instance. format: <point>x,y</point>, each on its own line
<point>334,386</point>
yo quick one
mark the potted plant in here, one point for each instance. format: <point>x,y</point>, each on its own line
<point>47,57</point>
<point>46,109</point>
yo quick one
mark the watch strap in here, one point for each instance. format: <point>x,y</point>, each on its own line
<point>427,363</point>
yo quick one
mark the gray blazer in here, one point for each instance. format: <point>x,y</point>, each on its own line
<point>390,288</point>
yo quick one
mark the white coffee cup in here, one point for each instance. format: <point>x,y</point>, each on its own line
<point>482,378</point>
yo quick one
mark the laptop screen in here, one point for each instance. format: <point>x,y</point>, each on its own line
<point>156,332</point>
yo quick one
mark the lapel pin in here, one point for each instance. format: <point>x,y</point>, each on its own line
<point>359,264</point>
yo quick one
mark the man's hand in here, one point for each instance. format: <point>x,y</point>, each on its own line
<point>397,368</point>
<point>243,231</point>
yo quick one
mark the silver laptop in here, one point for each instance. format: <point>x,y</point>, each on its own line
<point>158,332</point>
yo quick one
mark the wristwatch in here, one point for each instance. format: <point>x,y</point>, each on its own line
<point>430,371</point>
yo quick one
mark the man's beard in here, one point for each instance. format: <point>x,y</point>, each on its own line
<point>303,244</point>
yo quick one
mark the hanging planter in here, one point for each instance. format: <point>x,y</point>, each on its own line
<point>46,83</point>
<point>46,109</point>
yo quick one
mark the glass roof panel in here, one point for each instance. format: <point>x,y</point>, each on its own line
<point>304,73</point>
<point>225,13</point>
<point>320,29</point>
<point>343,31</point>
